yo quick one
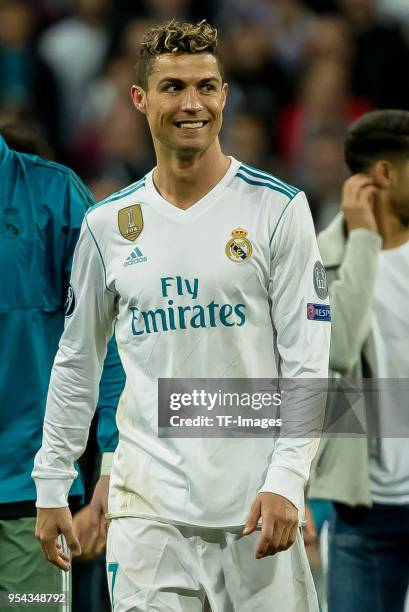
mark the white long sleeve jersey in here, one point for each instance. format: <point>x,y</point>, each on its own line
<point>223,289</point>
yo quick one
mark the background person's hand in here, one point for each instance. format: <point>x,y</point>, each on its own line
<point>279,523</point>
<point>52,522</point>
<point>86,529</point>
<point>90,524</point>
<point>309,531</point>
<point>358,199</point>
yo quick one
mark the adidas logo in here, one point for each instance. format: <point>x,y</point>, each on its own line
<point>135,257</point>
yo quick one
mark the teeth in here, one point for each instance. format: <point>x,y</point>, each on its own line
<point>196,124</point>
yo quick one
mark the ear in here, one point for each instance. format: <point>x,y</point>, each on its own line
<point>225,91</point>
<point>138,96</point>
<point>383,174</point>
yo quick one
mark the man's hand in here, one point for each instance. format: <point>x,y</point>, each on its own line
<point>358,198</point>
<point>51,522</point>
<point>90,525</point>
<point>309,531</point>
<point>86,528</point>
<point>279,523</point>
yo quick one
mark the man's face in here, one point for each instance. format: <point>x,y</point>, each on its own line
<point>184,101</point>
<point>399,191</point>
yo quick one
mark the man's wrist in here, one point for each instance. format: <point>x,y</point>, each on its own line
<point>286,483</point>
<point>360,220</point>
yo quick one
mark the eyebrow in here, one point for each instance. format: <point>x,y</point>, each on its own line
<point>176,81</point>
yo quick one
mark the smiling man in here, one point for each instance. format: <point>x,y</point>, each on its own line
<point>209,269</point>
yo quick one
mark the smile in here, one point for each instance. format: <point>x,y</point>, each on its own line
<point>190,125</point>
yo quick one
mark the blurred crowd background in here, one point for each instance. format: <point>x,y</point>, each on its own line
<point>299,71</point>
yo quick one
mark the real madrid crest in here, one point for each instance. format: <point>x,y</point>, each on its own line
<point>130,221</point>
<point>239,248</point>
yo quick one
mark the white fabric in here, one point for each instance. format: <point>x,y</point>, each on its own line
<point>389,456</point>
<point>59,45</point>
<point>162,567</point>
<point>208,482</point>
<point>106,464</point>
<point>397,9</point>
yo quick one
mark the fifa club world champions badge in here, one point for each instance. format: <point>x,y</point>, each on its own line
<point>130,222</point>
<point>239,248</point>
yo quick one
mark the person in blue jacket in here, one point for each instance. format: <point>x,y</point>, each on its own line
<point>42,205</point>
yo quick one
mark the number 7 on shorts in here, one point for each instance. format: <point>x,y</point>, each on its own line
<point>112,567</point>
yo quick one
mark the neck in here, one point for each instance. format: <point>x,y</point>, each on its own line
<point>182,181</point>
<point>393,232</point>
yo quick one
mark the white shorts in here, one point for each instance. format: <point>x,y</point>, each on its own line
<point>161,567</point>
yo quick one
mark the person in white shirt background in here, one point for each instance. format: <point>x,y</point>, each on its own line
<point>366,253</point>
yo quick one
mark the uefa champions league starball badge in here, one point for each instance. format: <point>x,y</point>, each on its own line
<point>320,280</point>
<point>239,248</point>
<point>70,302</point>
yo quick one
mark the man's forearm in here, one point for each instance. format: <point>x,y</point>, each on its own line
<point>70,407</point>
<point>351,298</point>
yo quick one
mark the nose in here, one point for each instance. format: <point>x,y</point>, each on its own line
<point>191,102</point>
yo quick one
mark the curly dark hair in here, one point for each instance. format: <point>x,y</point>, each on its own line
<point>175,37</point>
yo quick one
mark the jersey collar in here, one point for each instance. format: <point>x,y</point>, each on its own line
<point>198,208</point>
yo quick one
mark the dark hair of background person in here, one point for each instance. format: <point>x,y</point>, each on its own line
<point>382,134</point>
<point>176,37</point>
<point>26,139</point>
